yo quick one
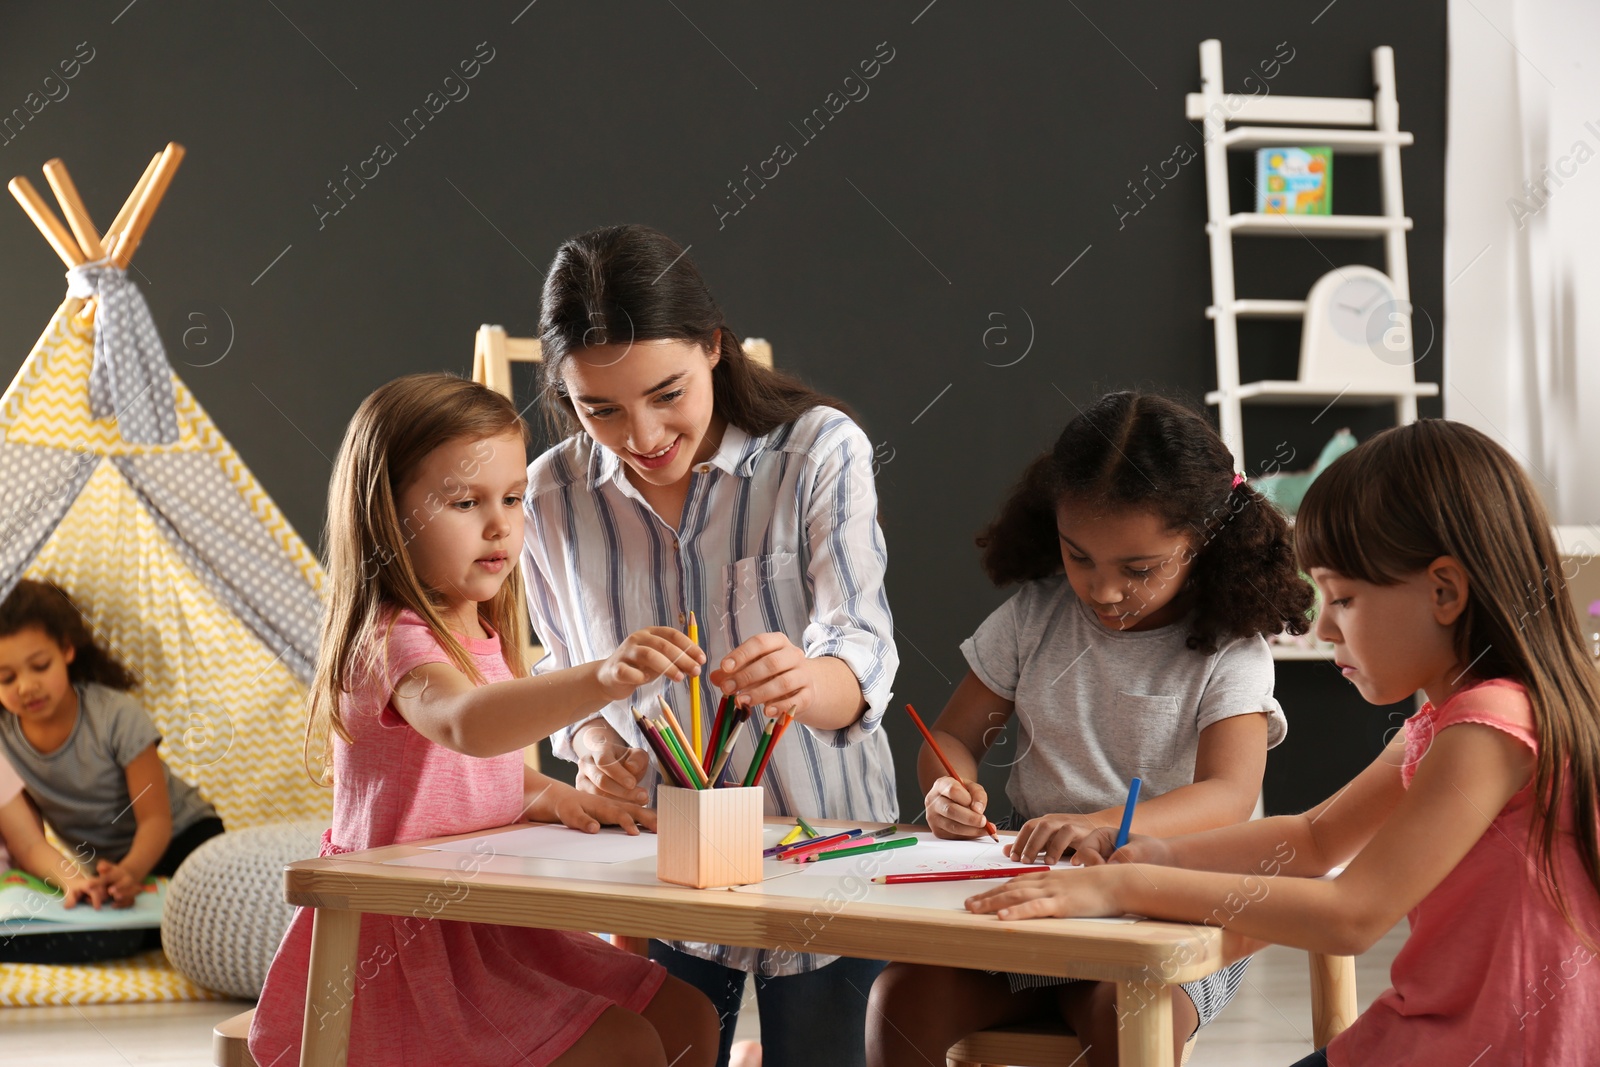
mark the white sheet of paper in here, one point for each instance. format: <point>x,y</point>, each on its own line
<point>549,842</point>
<point>929,855</point>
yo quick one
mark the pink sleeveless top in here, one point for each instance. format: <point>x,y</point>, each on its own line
<point>1491,973</point>
<point>429,989</point>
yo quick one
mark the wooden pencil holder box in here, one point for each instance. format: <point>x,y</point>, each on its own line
<point>708,837</point>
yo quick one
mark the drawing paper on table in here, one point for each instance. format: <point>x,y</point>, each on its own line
<point>552,842</point>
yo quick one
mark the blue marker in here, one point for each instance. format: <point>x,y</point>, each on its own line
<point>1127,813</point>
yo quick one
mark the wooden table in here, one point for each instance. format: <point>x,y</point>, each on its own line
<point>1145,958</point>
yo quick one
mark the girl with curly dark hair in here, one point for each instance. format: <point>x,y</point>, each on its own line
<point>1149,575</point>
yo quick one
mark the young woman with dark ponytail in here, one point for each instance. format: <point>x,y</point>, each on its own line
<point>1149,575</point>
<point>689,478</point>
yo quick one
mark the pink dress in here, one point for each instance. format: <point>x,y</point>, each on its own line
<point>430,990</point>
<point>1491,973</point>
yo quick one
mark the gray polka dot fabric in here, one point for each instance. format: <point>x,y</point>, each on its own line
<point>197,507</point>
<point>37,486</point>
<point>131,379</point>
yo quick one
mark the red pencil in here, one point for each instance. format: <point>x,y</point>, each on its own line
<point>951,771</point>
<point>957,876</point>
<point>777,735</point>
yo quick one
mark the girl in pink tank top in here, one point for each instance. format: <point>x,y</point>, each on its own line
<point>422,706</point>
<point>1439,573</point>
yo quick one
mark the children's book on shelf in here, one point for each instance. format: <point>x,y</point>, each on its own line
<point>31,906</point>
<point>1294,181</point>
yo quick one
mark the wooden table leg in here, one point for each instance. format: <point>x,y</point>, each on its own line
<point>1144,1011</point>
<point>330,987</point>
<point>1333,996</point>
<point>639,946</point>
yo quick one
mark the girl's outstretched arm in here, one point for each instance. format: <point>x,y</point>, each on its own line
<point>443,705</point>
<point>1467,776</point>
<point>23,834</point>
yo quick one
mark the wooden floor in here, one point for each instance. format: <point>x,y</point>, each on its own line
<point>1267,1025</point>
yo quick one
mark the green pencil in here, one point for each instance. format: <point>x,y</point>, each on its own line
<point>876,846</point>
<point>761,748</point>
<point>805,826</point>
<point>671,739</point>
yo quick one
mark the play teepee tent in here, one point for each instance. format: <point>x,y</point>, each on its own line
<point>115,485</point>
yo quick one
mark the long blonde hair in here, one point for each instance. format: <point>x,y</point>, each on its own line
<point>1437,488</point>
<point>370,576</point>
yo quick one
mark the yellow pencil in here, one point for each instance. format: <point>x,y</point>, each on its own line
<point>694,694</point>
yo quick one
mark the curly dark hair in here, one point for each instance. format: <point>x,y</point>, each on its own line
<point>46,606</point>
<point>1136,450</point>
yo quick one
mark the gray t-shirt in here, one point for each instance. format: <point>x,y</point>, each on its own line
<point>81,787</point>
<point>1097,707</point>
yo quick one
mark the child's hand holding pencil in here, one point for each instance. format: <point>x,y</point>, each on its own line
<point>955,809</point>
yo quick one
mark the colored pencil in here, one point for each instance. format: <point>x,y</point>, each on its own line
<point>739,717</point>
<point>957,876</point>
<point>876,846</point>
<point>714,743</point>
<point>694,693</point>
<point>793,835</point>
<point>803,847</point>
<point>887,831</point>
<point>672,721</point>
<point>1127,813</point>
<point>684,759</point>
<point>777,735</point>
<point>664,743</point>
<point>667,765</point>
<point>805,826</point>
<point>761,750</point>
<point>927,735</point>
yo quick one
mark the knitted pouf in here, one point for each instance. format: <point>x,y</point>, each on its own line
<point>225,913</point>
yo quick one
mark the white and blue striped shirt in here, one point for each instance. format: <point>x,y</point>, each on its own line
<point>779,533</point>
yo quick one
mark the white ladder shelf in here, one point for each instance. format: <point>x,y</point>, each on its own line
<point>1289,121</point>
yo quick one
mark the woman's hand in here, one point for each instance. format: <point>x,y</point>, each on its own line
<point>608,767</point>
<point>1049,837</point>
<point>768,669</point>
<point>955,808</point>
<point>646,655</point>
<point>1100,848</point>
<point>1059,894</point>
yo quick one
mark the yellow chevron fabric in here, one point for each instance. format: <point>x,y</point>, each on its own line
<point>232,715</point>
<point>131,981</point>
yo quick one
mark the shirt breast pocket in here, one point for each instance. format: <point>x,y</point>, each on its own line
<point>763,594</point>
<point>1154,723</point>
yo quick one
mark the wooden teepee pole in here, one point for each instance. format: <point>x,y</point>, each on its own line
<point>57,234</point>
<point>149,199</point>
<point>55,172</point>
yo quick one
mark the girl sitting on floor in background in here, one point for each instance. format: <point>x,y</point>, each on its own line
<point>1149,574</point>
<point>1439,572</point>
<point>86,753</point>
<point>422,706</point>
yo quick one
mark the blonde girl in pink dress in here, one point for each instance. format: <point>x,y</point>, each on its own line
<point>422,706</point>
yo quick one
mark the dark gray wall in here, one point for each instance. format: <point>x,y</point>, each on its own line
<point>888,259</point>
